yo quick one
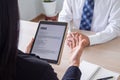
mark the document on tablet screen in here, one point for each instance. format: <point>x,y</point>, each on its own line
<point>48,41</point>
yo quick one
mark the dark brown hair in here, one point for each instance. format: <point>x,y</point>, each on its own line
<point>9,20</point>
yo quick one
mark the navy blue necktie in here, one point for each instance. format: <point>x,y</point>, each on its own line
<point>87,15</point>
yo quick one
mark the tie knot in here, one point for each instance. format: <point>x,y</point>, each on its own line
<point>89,2</point>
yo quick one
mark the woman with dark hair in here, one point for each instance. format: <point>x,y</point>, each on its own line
<point>16,65</point>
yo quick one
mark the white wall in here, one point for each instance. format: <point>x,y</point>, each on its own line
<point>30,9</point>
<point>59,5</point>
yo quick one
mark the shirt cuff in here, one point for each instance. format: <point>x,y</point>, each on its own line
<point>92,40</point>
<point>72,73</point>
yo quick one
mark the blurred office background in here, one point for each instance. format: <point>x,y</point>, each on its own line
<point>29,9</point>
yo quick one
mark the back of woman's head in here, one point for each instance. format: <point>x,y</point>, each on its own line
<point>9,20</point>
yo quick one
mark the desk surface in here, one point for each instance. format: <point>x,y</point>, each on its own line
<point>106,55</point>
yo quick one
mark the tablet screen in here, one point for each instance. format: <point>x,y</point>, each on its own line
<point>49,40</point>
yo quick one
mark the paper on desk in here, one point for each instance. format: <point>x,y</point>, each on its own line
<point>105,73</point>
<point>92,72</point>
<point>88,70</point>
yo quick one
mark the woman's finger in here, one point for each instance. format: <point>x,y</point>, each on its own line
<point>29,46</point>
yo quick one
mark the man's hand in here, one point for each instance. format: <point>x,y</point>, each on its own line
<point>71,35</point>
<point>87,42</point>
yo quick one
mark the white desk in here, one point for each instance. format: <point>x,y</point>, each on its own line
<point>106,55</point>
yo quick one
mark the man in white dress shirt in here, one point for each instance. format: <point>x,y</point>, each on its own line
<point>105,22</point>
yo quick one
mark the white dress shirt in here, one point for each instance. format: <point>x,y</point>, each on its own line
<point>106,18</point>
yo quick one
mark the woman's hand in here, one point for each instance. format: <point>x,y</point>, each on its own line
<point>77,43</point>
<point>29,46</point>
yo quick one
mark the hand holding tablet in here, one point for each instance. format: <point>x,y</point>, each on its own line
<point>49,40</point>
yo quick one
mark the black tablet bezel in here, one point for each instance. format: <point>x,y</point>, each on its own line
<point>61,46</point>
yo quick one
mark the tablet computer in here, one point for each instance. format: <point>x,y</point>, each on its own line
<point>49,40</point>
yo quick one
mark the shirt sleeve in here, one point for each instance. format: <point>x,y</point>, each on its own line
<point>50,74</point>
<point>72,73</point>
<point>113,28</point>
<point>66,14</point>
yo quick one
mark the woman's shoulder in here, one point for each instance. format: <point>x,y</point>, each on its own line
<point>30,59</point>
<point>31,67</point>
